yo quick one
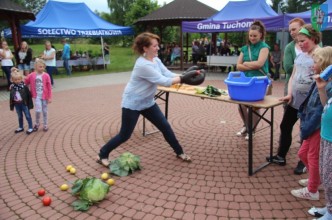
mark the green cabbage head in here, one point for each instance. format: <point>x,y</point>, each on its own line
<point>90,191</point>
<point>94,190</point>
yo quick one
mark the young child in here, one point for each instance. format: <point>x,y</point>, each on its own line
<point>310,113</point>
<point>41,90</point>
<point>20,98</point>
<point>324,55</point>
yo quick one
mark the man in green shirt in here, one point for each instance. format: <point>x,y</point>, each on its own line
<point>292,49</point>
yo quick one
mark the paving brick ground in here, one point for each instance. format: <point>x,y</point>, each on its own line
<point>214,186</point>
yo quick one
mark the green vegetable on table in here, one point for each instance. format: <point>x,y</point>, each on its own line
<point>90,191</point>
<point>125,164</point>
<point>210,91</point>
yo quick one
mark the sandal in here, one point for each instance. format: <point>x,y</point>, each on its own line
<point>35,128</point>
<point>45,128</point>
<point>184,157</point>
<point>105,162</point>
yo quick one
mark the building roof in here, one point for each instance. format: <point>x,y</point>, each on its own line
<point>179,10</point>
<point>8,7</point>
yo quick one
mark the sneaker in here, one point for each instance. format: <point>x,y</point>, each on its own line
<point>304,193</point>
<point>242,132</point>
<point>300,168</point>
<point>317,212</point>
<point>29,131</point>
<point>45,128</point>
<point>277,160</point>
<point>247,136</point>
<point>326,216</point>
<point>304,182</point>
<point>19,130</point>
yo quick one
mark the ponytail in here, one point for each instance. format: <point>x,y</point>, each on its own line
<point>259,26</point>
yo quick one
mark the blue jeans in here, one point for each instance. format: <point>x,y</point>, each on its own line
<point>50,70</point>
<point>20,109</point>
<point>129,121</point>
<point>66,66</point>
<point>6,70</point>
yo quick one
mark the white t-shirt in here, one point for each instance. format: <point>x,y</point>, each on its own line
<point>39,86</point>
<point>17,97</point>
<point>48,53</point>
<point>297,51</point>
<point>302,79</point>
<point>6,61</point>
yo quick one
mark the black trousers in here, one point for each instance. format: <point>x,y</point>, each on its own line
<point>286,127</point>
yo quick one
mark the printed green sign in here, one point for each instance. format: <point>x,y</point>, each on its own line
<point>319,16</point>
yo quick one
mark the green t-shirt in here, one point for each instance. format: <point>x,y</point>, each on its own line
<point>255,49</point>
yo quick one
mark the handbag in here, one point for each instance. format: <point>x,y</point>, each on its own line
<point>270,86</point>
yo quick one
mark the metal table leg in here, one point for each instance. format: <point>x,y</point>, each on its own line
<point>251,170</point>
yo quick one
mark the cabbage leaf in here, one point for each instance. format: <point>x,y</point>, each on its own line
<point>89,191</point>
<point>125,164</point>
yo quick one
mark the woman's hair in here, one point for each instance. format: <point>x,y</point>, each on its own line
<point>298,20</point>
<point>26,48</point>
<point>258,26</point>
<point>16,73</point>
<point>143,40</point>
<point>323,56</point>
<point>308,31</point>
<point>3,42</point>
<point>48,43</point>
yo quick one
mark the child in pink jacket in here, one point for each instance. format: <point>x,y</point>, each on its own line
<point>41,91</point>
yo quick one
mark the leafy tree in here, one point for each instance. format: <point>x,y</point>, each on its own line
<point>118,9</point>
<point>275,5</point>
<point>34,5</point>
<point>294,6</point>
<point>138,9</point>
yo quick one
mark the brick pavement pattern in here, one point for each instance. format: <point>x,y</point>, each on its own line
<point>214,186</point>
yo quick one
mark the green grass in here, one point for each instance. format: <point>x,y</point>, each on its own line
<point>122,58</point>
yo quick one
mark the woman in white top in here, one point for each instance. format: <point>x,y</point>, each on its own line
<point>49,57</point>
<point>6,57</point>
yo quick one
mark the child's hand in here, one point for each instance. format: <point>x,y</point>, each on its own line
<point>287,98</point>
<point>320,82</point>
<point>49,101</point>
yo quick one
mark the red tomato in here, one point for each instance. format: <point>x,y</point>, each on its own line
<point>41,192</point>
<point>47,201</point>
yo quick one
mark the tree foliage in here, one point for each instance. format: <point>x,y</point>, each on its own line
<point>138,9</point>
<point>276,3</point>
<point>34,5</point>
<point>294,6</point>
<point>118,9</point>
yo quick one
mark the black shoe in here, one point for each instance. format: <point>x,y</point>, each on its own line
<point>19,130</point>
<point>300,168</point>
<point>277,160</point>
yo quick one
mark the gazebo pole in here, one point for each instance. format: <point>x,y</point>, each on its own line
<point>19,33</point>
<point>181,37</point>
<point>102,50</point>
<point>161,33</point>
<point>14,31</point>
<point>187,39</point>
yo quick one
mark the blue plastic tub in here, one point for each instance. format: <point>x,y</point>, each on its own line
<point>244,88</point>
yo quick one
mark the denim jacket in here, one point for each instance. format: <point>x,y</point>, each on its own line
<point>310,111</point>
